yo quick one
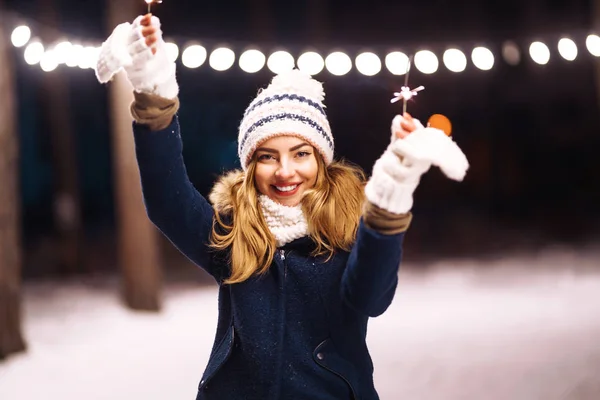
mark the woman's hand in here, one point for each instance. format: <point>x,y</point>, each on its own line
<point>407,126</point>
<point>140,50</point>
<point>151,71</point>
<point>404,125</point>
<point>411,153</point>
<point>149,32</point>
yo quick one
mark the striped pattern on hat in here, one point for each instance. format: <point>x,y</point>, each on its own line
<point>291,105</point>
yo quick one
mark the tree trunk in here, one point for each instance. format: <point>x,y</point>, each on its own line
<point>11,340</point>
<point>136,238</point>
<point>57,121</point>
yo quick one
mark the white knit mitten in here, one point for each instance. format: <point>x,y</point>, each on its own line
<point>151,73</point>
<point>434,146</point>
<point>148,73</point>
<point>397,173</point>
<point>114,53</point>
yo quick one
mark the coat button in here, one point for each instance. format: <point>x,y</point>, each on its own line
<point>320,356</point>
<point>202,382</point>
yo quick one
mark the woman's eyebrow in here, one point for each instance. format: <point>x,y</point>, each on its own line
<point>268,150</point>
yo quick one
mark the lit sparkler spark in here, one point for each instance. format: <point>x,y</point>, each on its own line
<point>406,93</point>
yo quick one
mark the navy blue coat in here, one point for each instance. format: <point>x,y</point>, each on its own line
<point>297,332</point>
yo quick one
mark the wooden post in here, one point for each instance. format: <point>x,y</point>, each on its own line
<point>137,240</point>
<point>59,126</point>
<point>11,340</point>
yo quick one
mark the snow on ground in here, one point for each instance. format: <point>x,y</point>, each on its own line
<point>517,329</point>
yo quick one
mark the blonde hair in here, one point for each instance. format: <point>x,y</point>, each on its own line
<point>333,208</point>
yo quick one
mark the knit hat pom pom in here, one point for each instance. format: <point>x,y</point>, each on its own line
<point>296,81</point>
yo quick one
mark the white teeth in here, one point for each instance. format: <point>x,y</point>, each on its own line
<point>286,188</point>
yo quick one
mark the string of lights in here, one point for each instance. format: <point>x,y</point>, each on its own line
<point>71,53</point>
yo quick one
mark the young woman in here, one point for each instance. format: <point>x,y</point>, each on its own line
<point>304,249</point>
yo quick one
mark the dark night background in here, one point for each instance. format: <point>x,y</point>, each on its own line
<point>499,296</point>
<point>530,132</point>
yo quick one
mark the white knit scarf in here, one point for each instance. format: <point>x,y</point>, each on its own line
<point>286,223</point>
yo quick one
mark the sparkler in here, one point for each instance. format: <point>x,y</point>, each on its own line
<point>406,93</point>
<point>438,121</point>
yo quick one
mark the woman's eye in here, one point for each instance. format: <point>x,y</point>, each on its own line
<point>303,154</point>
<point>265,157</point>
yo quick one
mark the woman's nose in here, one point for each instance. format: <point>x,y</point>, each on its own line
<point>285,170</point>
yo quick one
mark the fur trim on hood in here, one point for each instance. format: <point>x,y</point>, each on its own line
<point>227,186</point>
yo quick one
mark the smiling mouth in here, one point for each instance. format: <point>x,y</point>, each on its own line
<point>286,190</point>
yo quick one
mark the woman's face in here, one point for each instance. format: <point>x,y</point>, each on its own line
<point>286,166</point>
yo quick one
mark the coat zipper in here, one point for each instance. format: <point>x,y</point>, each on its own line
<point>282,255</point>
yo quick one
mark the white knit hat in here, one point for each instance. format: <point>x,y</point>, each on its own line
<point>291,105</point>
